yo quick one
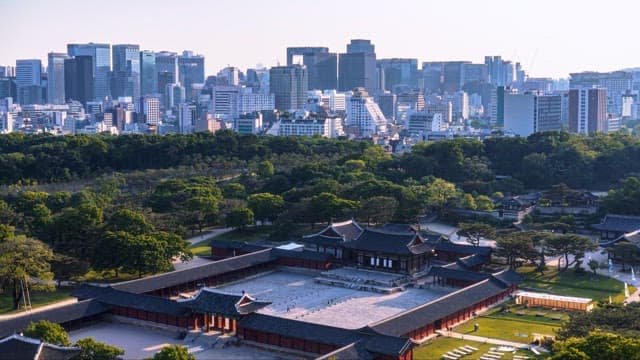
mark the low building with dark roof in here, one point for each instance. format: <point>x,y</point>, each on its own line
<point>448,251</point>
<point>322,339</point>
<point>446,311</point>
<point>68,316</point>
<point>614,226</point>
<point>16,347</point>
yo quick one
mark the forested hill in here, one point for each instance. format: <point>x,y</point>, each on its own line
<point>538,161</point>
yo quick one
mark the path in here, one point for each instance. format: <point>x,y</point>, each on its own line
<point>208,235</point>
<point>486,340</point>
<point>450,232</point>
<point>615,274</point>
<point>38,309</point>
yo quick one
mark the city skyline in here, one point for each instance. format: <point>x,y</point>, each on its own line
<point>261,31</point>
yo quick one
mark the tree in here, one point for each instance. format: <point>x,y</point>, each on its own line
<point>234,191</point>
<point>21,259</point>
<point>201,211</point>
<point>439,192</point>
<point>94,350</point>
<point>626,252</point>
<point>379,209</point>
<point>265,206</point>
<point>326,206</point>
<point>173,352</point>
<point>48,332</point>
<point>593,265</point>
<point>476,231</point>
<point>116,244</point>
<point>265,169</point>
<point>240,218</point>
<point>569,244</point>
<point>598,345</point>
<point>484,203</point>
<point>514,246</point>
<point>130,221</point>
<point>622,319</point>
<point>468,202</point>
<point>66,267</point>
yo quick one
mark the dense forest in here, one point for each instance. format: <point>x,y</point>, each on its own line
<point>538,161</point>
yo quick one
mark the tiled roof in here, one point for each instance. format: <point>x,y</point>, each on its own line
<point>456,274</point>
<point>448,246</point>
<point>174,278</point>
<point>304,254</point>
<point>209,301</point>
<point>18,347</point>
<point>409,320</point>
<point>388,242</point>
<point>323,240</point>
<point>111,296</point>
<point>619,223</point>
<point>234,245</point>
<point>324,334</point>
<point>60,315</point>
<point>508,277</point>
<point>346,230</point>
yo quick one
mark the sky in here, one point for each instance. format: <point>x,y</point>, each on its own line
<point>550,38</point>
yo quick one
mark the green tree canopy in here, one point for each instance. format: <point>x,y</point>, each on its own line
<point>265,206</point>
<point>240,218</point>
<point>476,231</point>
<point>94,350</point>
<point>48,332</point>
<point>173,352</point>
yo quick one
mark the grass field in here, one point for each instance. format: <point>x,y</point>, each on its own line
<point>570,283</point>
<point>437,347</point>
<point>511,329</point>
<point>38,298</point>
<point>203,248</point>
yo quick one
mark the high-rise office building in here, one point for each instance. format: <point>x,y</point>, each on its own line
<point>617,83</point>
<point>229,76</point>
<point>501,72</point>
<point>587,110</point>
<point>187,116</point>
<point>289,84</point>
<point>150,106</point>
<point>167,70</point>
<point>28,72</point>
<point>190,70</point>
<point>101,59</point>
<point>28,79</point>
<point>55,78</point>
<point>400,75</point>
<point>525,114</point>
<point>148,73</point>
<point>322,65</point>
<point>364,117</point>
<point>358,67</point>
<point>175,94</point>
<point>126,71</point>
<point>78,79</point>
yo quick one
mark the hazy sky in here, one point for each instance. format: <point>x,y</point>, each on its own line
<point>549,37</point>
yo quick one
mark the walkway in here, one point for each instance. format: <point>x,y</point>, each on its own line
<point>210,234</point>
<point>39,309</point>
<point>615,274</point>
<point>486,340</point>
<point>451,233</point>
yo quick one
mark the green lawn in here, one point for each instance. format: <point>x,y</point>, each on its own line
<point>202,248</point>
<point>435,348</point>
<point>38,298</point>
<point>570,283</point>
<point>511,329</point>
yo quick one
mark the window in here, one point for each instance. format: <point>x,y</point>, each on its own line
<point>373,261</point>
<point>390,263</point>
<point>384,262</point>
<point>403,264</point>
<point>377,261</point>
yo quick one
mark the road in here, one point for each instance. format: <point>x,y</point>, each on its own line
<point>450,232</point>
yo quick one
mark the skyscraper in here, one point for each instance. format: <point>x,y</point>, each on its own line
<point>527,113</point>
<point>150,106</point>
<point>78,79</point>
<point>28,78</point>
<point>399,74</point>
<point>167,68</point>
<point>289,84</point>
<point>148,73</point>
<point>101,59</point>
<point>126,71</point>
<point>587,110</point>
<point>358,67</point>
<point>322,66</point>
<point>55,78</point>
<point>191,70</point>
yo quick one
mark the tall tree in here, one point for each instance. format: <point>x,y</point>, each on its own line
<point>570,244</point>
<point>240,218</point>
<point>21,259</point>
<point>379,209</point>
<point>439,192</point>
<point>94,350</point>
<point>514,246</point>
<point>265,206</point>
<point>476,231</point>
